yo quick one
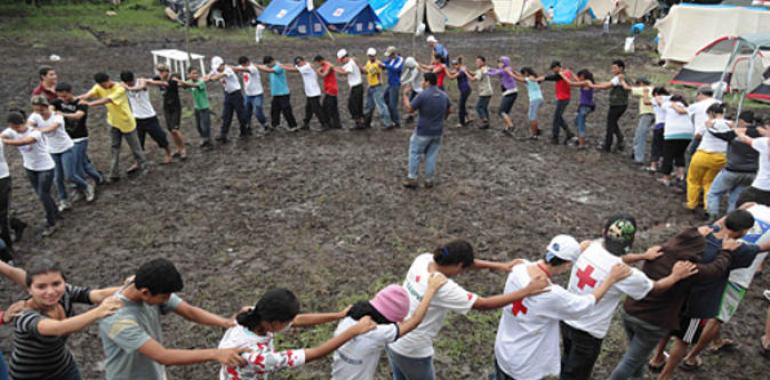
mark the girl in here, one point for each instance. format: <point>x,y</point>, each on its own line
<point>47,318</point>
<point>37,162</point>
<point>276,312</point>
<point>460,72</point>
<point>510,92</point>
<point>411,357</point>
<point>586,106</point>
<point>357,359</point>
<point>485,90</point>
<point>529,77</point>
<point>676,137</point>
<point>60,146</point>
<point>659,94</point>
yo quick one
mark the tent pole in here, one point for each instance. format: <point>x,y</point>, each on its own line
<point>720,92</point>
<point>748,81</point>
<point>187,31</point>
<point>416,29</point>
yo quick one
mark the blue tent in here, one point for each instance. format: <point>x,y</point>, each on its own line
<point>292,18</point>
<point>387,11</point>
<point>564,11</point>
<point>349,16</point>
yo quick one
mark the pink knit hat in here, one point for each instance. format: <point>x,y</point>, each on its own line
<point>392,302</point>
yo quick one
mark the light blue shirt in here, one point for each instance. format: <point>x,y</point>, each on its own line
<point>533,89</point>
<point>278,84</point>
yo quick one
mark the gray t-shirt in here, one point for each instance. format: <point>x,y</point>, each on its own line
<point>432,105</point>
<point>126,331</point>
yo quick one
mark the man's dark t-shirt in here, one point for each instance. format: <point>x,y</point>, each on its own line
<point>76,129</point>
<point>170,94</point>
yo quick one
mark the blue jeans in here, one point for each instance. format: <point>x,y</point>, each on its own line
<point>640,137</point>
<point>558,119</point>
<point>642,339</point>
<point>83,164</point>
<point>462,112</point>
<point>41,182</point>
<point>393,95</point>
<point>375,98</point>
<point>72,374</point>
<point>423,145</point>
<point>534,106</point>
<point>727,183</point>
<point>66,170</point>
<point>252,104</point>
<point>405,368</point>
<point>3,368</point>
<point>482,107</point>
<point>580,120</point>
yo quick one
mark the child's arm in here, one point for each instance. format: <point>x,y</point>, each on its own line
<point>54,327</point>
<point>312,319</point>
<point>17,275</point>
<point>20,142</point>
<point>436,281</point>
<point>452,74</point>
<point>202,317</point>
<point>52,127</point>
<point>287,67</point>
<point>265,69</point>
<point>98,295</point>
<point>363,325</point>
<point>536,286</point>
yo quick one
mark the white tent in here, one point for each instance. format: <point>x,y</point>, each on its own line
<point>415,12</point>
<point>470,15</point>
<point>636,9</point>
<point>688,28</point>
<point>517,12</point>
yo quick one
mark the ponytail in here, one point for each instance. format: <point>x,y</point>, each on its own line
<point>454,252</point>
<point>249,319</point>
<point>364,308</point>
<point>276,305</point>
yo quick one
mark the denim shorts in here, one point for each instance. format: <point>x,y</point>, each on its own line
<point>534,106</point>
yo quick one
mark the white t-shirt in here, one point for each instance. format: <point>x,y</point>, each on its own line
<point>699,116</point>
<point>58,140</point>
<point>589,272</point>
<point>450,297</point>
<point>354,73</point>
<point>762,180</point>
<point>4,171</point>
<point>660,112</point>
<point>310,80</point>
<point>252,81</point>
<point>358,358</point>
<point>230,81</point>
<point>35,156</point>
<point>262,359</point>
<point>527,343</point>
<point>677,124</point>
<point>140,103</point>
<point>759,234</point>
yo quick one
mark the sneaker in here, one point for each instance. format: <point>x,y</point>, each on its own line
<point>49,230</point>
<point>409,183</point>
<point>766,293</point>
<point>77,196</point>
<point>90,193</point>
<point>64,206</point>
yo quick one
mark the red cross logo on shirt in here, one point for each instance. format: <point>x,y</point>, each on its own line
<point>584,277</point>
<point>518,307</point>
<point>245,77</point>
<point>417,279</point>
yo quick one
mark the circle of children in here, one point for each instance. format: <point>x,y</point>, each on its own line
<point>686,289</point>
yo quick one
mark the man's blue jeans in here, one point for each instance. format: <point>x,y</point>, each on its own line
<point>727,183</point>
<point>83,164</point>
<point>66,170</point>
<point>375,98</point>
<point>642,339</point>
<point>428,146</point>
<point>41,182</point>
<point>405,368</point>
<point>640,136</point>
<point>252,104</point>
<point>393,95</point>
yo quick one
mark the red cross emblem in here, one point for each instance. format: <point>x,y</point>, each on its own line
<point>584,277</point>
<point>245,77</point>
<point>518,307</point>
<point>416,278</point>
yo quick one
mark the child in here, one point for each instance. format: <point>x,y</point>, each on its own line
<point>460,72</point>
<point>312,92</point>
<point>485,90</point>
<point>438,67</point>
<point>357,360</point>
<point>618,101</point>
<point>529,77</point>
<point>172,108</point>
<point>676,138</point>
<point>508,85</point>
<point>276,312</point>
<point>279,90</point>
<point>233,102</point>
<point>254,94</point>
<point>200,95</point>
<point>562,78</point>
<point>325,70</point>
<point>656,150</point>
<point>586,105</point>
<point>352,72</point>
<point>146,119</point>
<point>643,91</point>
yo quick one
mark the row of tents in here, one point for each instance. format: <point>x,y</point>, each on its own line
<point>300,18</point>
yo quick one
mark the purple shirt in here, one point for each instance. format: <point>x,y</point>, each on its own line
<point>586,96</point>
<point>462,82</point>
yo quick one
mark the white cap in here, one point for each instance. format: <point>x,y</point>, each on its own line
<point>431,39</point>
<point>371,52</point>
<point>341,53</point>
<point>216,62</point>
<point>564,247</point>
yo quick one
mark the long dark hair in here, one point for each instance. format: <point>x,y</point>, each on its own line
<point>276,305</point>
<point>363,308</point>
<point>678,98</point>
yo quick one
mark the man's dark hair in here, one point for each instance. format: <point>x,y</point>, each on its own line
<point>191,69</point>
<point>660,90</point>
<point>739,220</point>
<point>482,58</point>
<point>242,60</point>
<point>455,252</point>
<point>159,276</point>
<point>555,64</point>
<point>16,117</point>
<point>127,76</point>
<point>40,266</point>
<point>268,60</point>
<point>619,63</point>
<point>431,78</point>
<point>63,87</point>
<point>717,109</point>
<point>747,116</point>
<point>101,77</point>
<point>318,58</point>
<point>43,71</point>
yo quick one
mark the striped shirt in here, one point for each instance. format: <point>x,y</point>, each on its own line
<point>43,357</point>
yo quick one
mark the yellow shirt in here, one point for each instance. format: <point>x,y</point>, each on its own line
<point>640,92</point>
<point>373,73</point>
<point>119,114</point>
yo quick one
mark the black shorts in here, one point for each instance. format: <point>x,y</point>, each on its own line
<point>752,194</point>
<point>689,329</point>
<point>173,117</point>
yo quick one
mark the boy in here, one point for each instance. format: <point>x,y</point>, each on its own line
<point>119,117</point>
<point>200,95</point>
<point>47,86</point>
<point>394,64</point>
<point>619,91</point>
<point>375,92</point>
<point>352,71</point>
<point>329,105</point>
<point>172,108</point>
<point>562,79</point>
<point>254,100</point>
<point>485,90</point>
<point>233,98</point>
<point>279,89</point>
<point>146,119</point>
<point>312,92</point>
<point>643,91</point>
<point>131,337</point>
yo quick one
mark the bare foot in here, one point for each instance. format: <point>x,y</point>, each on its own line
<point>167,159</point>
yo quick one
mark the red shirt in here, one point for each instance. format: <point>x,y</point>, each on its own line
<point>563,90</point>
<point>40,90</point>
<point>330,80</point>
<point>441,74</point>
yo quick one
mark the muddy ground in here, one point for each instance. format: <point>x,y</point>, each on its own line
<point>324,215</point>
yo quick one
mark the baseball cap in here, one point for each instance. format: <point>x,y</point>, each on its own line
<point>390,50</point>
<point>392,302</point>
<point>431,39</point>
<point>619,234</point>
<point>564,247</point>
<point>216,62</point>
<point>371,52</point>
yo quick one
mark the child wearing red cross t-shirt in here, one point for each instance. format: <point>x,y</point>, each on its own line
<point>527,344</point>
